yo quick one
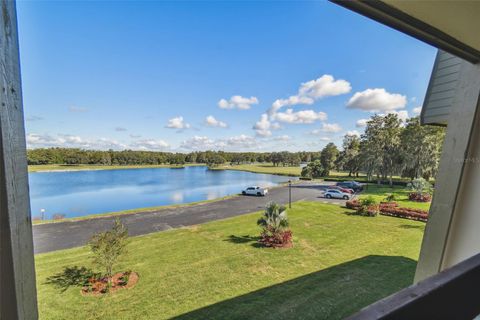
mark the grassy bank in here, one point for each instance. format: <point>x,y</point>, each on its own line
<point>64,167</point>
<point>267,168</point>
<point>132,211</point>
<point>339,264</point>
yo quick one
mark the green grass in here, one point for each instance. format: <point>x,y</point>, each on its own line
<point>264,168</point>
<point>339,264</point>
<point>64,167</point>
<point>379,193</point>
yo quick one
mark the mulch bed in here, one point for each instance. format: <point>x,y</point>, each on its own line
<point>120,280</point>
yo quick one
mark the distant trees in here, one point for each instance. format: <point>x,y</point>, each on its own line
<point>215,160</point>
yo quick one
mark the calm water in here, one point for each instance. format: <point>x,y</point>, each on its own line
<point>78,193</point>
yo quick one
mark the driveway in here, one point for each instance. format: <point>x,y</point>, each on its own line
<point>64,235</point>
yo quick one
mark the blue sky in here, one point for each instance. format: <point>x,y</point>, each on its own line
<point>146,75</point>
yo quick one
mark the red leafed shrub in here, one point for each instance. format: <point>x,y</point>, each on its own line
<point>368,211</point>
<point>408,213</point>
<point>276,239</point>
<point>366,207</point>
<point>419,197</point>
<point>353,204</point>
<point>274,223</point>
<point>388,204</point>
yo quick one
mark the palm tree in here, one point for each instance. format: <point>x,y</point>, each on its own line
<point>274,218</point>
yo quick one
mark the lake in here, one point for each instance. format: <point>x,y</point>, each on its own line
<point>79,193</point>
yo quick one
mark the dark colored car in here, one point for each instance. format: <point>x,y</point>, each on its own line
<point>357,187</point>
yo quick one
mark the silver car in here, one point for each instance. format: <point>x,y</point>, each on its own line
<point>337,194</point>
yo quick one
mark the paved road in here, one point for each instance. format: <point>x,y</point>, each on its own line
<point>64,235</point>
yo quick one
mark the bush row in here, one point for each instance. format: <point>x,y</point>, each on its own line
<point>392,209</point>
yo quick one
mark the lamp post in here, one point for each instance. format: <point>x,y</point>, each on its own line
<point>290,194</point>
<point>42,211</point>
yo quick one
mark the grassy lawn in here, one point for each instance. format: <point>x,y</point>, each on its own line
<point>264,168</point>
<point>339,264</point>
<point>401,196</point>
<point>64,167</point>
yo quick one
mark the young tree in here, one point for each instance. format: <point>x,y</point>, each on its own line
<point>108,246</point>
<point>328,157</point>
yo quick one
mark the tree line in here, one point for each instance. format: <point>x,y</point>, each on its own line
<point>388,147</point>
<point>73,156</point>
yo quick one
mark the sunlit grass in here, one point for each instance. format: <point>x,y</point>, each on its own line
<point>339,263</point>
<point>379,193</point>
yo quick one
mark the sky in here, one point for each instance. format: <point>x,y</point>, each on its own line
<point>208,75</point>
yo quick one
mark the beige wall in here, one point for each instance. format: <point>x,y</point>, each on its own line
<point>463,240</point>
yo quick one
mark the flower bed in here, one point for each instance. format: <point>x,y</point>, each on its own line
<point>407,213</point>
<point>121,280</point>
<point>353,204</point>
<point>419,197</point>
<point>280,239</point>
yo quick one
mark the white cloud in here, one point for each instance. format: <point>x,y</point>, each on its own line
<point>77,109</point>
<point>199,143</point>
<point>327,128</point>
<point>402,115</point>
<point>150,144</point>
<point>262,127</point>
<point>120,129</point>
<point>377,100</point>
<point>235,143</point>
<point>416,111</point>
<point>353,133</point>
<point>331,127</point>
<point>300,117</point>
<point>212,122</point>
<point>361,123</point>
<point>282,138</point>
<point>70,141</point>
<point>313,90</point>
<point>177,123</point>
<point>237,102</point>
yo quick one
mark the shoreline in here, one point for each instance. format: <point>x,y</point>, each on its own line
<point>74,168</point>
<point>146,209</point>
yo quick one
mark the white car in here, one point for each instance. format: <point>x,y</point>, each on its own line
<point>255,191</point>
<point>337,194</point>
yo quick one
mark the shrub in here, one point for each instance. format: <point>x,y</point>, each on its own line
<point>419,197</point>
<point>108,246</point>
<point>408,213</point>
<point>421,190</point>
<point>353,204</point>
<point>368,207</point>
<point>274,223</point>
<point>390,197</point>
